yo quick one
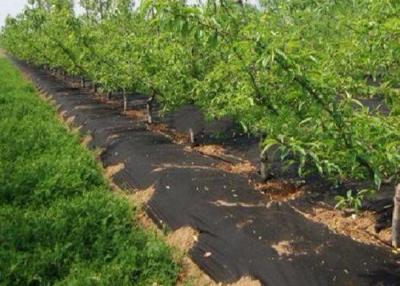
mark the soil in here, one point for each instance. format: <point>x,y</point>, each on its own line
<point>269,232</point>
<point>360,226</point>
<point>114,169</point>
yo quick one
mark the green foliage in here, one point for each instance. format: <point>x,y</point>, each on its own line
<point>59,222</point>
<point>294,71</point>
<point>353,200</point>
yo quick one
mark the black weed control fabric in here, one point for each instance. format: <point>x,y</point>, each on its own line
<point>238,227</point>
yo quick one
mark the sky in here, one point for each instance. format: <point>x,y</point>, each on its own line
<point>10,7</point>
<point>13,7</point>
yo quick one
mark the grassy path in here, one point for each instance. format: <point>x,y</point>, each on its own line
<point>59,222</point>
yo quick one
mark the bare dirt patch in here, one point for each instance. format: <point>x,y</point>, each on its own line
<point>247,281</point>
<point>142,197</point>
<point>212,149</point>
<point>176,166</point>
<point>238,204</point>
<point>360,227</point>
<point>287,248</point>
<point>136,114</point>
<point>110,171</point>
<point>86,140</point>
<point>280,190</point>
<point>70,120</point>
<point>183,238</point>
<point>145,221</point>
<point>83,107</point>
<point>192,275</point>
<point>219,152</point>
<point>239,168</point>
<point>176,137</point>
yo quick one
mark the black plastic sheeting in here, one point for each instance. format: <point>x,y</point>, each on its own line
<point>238,226</point>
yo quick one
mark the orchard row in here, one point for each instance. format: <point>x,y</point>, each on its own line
<point>303,75</point>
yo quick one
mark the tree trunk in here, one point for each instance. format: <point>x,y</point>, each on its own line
<point>265,170</point>
<point>396,219</point>
<point>149,107</point>
<point>192,137</point>
<point>125,101</point>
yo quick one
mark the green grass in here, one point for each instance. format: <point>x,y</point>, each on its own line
<point>59,222</point>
